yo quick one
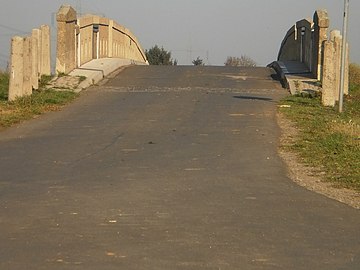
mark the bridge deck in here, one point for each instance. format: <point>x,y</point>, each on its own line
<point>165,168</point>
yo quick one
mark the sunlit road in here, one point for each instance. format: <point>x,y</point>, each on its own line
<point>165,168</point>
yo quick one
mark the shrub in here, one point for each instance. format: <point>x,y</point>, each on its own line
<point>242,61</point>
<point>159,56</point>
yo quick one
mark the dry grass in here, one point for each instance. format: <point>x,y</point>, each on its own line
<point>350,129</point>
<point>354,74</point>
<point>329,141</point>
<point>28,107</point>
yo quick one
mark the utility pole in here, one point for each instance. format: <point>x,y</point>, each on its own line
<point>343,54</point>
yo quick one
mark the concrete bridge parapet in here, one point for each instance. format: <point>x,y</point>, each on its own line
<point>308,42</point>
<point>82,39</point>
<point>66,47</point>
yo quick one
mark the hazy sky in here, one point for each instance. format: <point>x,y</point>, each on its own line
<point>211,29</point>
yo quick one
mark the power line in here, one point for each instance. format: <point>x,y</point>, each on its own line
<point>13,29</point>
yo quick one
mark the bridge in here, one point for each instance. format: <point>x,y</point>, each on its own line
<point>164,167</point>
<point>307,56</point>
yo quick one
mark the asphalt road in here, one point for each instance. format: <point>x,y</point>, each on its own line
<point>165,168</point>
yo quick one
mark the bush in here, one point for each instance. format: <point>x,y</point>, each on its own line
<point>242,61</point>
<point>198,62</point>
<point>158,56</point>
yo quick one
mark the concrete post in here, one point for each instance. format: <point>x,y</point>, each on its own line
<point>66,59</point>
<point>27,84</point>
<point>329,73</point>
<point>336,38</point>
<point>111,39</point>
<point>36,34</point>
<point>35,58</point>
<point>16,68</point>
<point>321,25</point>
<point>45,54</point>
<point>77,46</point>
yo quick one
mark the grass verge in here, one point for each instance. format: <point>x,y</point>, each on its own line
<point>30,106</point>
<point>328,141</point>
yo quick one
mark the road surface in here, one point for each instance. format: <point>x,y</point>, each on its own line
<point>165,168</point>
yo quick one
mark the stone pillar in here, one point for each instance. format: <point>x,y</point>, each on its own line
<point>321,25</point>
<point>336,38</point>
<point>27,84</point>
<point>35,58</point>
<point>36,34</point>
<point>329,73</point>
<point>66,59</point>
<point>45,54</point>
<point>16,68</point>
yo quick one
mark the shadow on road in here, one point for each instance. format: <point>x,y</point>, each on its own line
<point>254,98</point>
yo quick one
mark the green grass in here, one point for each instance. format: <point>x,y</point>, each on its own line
<point>4,85</point>
<point>44,80</point>
<point>327,140</point>
<point>30,106</point>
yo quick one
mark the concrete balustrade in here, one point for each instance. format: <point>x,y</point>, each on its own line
<point>79,40</point>
<point>308,42</point>
<point>83,39</point>
<point>297,44</point>
<point>30,59</point>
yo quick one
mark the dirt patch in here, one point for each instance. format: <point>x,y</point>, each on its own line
<point>64,83</point>
<point>308,177</point>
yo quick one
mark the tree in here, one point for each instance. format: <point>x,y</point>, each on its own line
<point>158,56</point>
<point>198,62</point>
<point>242,61</point>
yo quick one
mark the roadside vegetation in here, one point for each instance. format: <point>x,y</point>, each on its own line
<point>198,62</point>
<point>242,61</point>
<point>28,107</point>
<point>329,141</point>
<point>160,57</point>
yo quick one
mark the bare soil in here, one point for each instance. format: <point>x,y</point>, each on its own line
<point>308,177</point>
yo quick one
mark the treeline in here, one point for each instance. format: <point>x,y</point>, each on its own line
<point>159,56</point>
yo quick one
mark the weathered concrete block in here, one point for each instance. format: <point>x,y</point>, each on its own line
<point>66,56</point>
<point>35,35</point>
<point>336,38</point>
<point>16,68</point>
<point>27,70</point>
<point>329,73</point>
<point>321,25</point>
<point>45,52</point>
<point>321,18</point>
